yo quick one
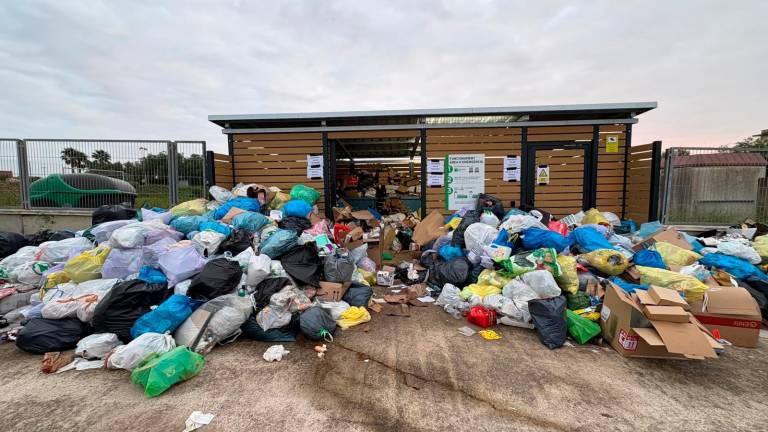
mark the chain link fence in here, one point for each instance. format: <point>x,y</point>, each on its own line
<point>84,174</point>
<point>714,186</point>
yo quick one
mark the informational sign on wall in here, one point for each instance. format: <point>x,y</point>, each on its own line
<point>464,179</point>
<point>542,175</point>
<point>315,167</point>
<point>435,172</point>
<point>612,144</point>
<point>511,168</point>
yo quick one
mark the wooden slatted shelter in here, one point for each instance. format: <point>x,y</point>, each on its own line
<point>587,149</point>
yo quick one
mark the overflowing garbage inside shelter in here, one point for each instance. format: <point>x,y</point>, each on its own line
<point>152,291</point>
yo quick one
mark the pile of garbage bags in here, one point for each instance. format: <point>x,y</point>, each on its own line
<point>528,269</point>
<point>155,289</point>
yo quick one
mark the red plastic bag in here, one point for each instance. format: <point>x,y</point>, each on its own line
<point>482,317</point>
<point>558,227</point>
<point>339,232</point>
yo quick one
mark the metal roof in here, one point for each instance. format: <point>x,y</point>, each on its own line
<point>720,159</point>
<point>602,110</point>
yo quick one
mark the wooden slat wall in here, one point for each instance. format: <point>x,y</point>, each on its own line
<point>222,165</point>
<point>639,182</point>
<point>563,196</point>
<point>277,159</point>
<point>342,168</point>
<point>495,143</point>
<point>610,170</point>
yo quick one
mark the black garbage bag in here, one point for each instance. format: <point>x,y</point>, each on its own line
<point>338,268</point>
<point>107,213</point>
<point>754,289</point>
<point>237,242</point>
<point>404,237</point>
<point>303,264</point>
<point>42,335</point>
<point>295,223</point>
<point>219,276</point>
<point>402,274</point>
<point>490,202</point>
<point>316,323</point>
<point>10,242</point>
<point>266,288</point>
<point>124,304</point>
<point>358,294</point>
<point>455,272</point>
<point>474,274</point>
<point>45,235</point>
<point>470,217</point>
<point>549,320</point>
<point>252,330</point>
<point>428,258</point>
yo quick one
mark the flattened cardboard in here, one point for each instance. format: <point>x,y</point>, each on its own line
<point>354,238</point>
<point>644,298</point>
<point>332,291</point>
<point>685,339</point>
<point>730,301</point>
<point>666,297</point>
<point>738,318</point>
<point>428,229</point>
<point>669,235</point>
<point>649,335</point>
<point>666,313</point>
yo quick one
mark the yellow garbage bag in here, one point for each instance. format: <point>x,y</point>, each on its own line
<point>195,207</point>
<point>492,277</point>
<point>761,245</point>
<point>279,199</point>
<point>87,265</point>
<point>453,223</point>
<point>55,278</point>
<point>676,255</point>
<point>353,316</point>
<point>479,290</point>
<point>364,277</point>
<point>593,216</point>
<point>568,280</point>
<point>693,288</point>
<point>608,261</point>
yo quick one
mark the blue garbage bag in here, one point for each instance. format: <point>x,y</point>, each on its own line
<point>589,239</point>
<point>738,267</point>
<point>250,221</point>
<point>649,228</point>
<point>244,203</point>
<point>252,330</point>
<point>296,207</point>
<point>216,226</point>
<point>191,234</point>
<point>649,258</point>
<point>152,275</point>
<point>535,238</point>
<point>449,252</point>
<point>695,243</point>
<point>503,239</point>
<point>628,287</point>
<point>187,224</point>
<point>513,212</point>
<point>280,242</point>
<point>166,317</point>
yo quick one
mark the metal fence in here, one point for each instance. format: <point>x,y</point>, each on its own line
<point>56,173</point>
<point>714,186</point>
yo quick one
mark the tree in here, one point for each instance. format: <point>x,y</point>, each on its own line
<point>760,141</point>
<point>74,158</point>
<point>101,157</point>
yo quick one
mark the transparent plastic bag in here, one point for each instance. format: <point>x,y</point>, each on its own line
<point>542,283</point>
<point>87,265</point>
<point>181,263</point>
<point>23,255</point>
<point>121,263</point>
<point>479,235</point>
<point>220,194</point>
<point>739,250</point>
<point>207,242</point>
<point>130,355</point>
<point>674,255</point>
<point>97,346</point>
<point>60,251</point>
<point>259,268</point>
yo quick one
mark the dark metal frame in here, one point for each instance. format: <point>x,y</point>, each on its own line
<point>653,207</point>
<point>627,145</point>
<point>423,147</point>
<point>210,170</point>
<point>528,174</point>
<point>231,149</point>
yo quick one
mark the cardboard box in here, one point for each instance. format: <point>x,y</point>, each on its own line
<point>733,313</point>
<point>629,331</point>
<point>666,297</point>
<point>666,313</point>
<point>428,229</point>
<point>669,235</point>
<point>332,291</point>
<point>385,276</point>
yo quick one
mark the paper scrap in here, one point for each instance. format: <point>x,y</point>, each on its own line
<point>426,299</point>
<point>466,331</point>
<point>196,420</point>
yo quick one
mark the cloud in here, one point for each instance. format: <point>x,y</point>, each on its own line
<point>157,69</point>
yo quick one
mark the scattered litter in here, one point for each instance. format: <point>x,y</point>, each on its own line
<point>82,364</point>
<point>489,334</point>
<point>466,331</point>
<point>275,353</point>
<point>196,420</point>
<point>426,299</point>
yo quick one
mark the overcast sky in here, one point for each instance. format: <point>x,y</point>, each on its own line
<point>157,69</point>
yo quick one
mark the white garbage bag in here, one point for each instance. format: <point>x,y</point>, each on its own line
<point>542,282</point>
<point>129,356</point>
<point>180,263</point>
<point>133,235</point>
<point>259,268</point>
<point>518,223</point>
<point>207,242</point>
<point>182,287</point>
<point>80,303</point>
<point>30,273</point>
<point>121,263</point>
<point>275,353</point>
<point>214,322</point>
<point>489,218</point>
<point>478,235</point>
<point>334,307</point>
<point>503,305</point>
<point>220,194</point>
<point>151,253</point>
<point>104,230</point>
<point>520,293</point>
<point>23,255</point>
<point>97,346</point>
<point>61,250</point>
<point>739,250</point>
<point>148,215</point>
<point>244,257</point>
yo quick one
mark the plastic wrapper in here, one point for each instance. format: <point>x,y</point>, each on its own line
<point>568,281</point>
<point>674,255</point>
<point>159,372</point>
<point>195,207</point>
<point>540,259</point>
<point>608,261</point>
<point>97,346</point>
<point>87,265</point>
<point>542,283</point>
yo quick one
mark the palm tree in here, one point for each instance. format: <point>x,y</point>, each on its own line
<point>101,157</point>
<point>74,158</point>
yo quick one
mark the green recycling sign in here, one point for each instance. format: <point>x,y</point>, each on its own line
<point>464,179</point>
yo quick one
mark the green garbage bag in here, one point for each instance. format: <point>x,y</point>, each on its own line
<point>159,372</point>
<point>579,300</point>
<point>580,328</point>
<point>305,193</point>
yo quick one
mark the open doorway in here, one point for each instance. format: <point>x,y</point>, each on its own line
<point>377,172</point>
